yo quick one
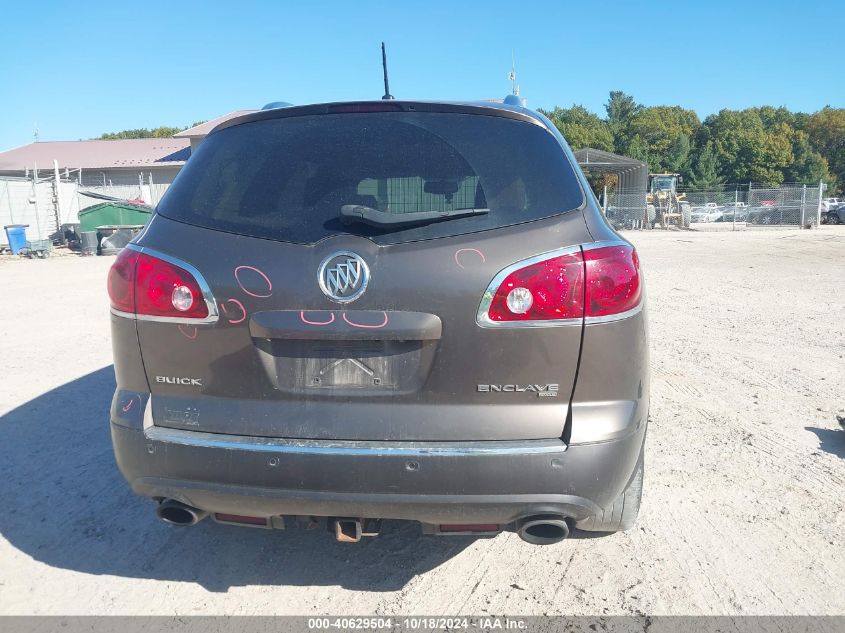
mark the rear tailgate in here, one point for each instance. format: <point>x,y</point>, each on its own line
<point>403,362</point>
<point>260,208</point>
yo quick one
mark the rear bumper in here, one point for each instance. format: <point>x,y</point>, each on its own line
<point>482,482</point>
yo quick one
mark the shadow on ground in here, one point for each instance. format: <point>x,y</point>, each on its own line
<point>830,440</point>
<point>66,505</point>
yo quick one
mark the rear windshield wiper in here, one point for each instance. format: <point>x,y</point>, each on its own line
<point>374,217</point>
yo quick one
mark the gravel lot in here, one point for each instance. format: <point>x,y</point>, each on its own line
<point>743,511</point>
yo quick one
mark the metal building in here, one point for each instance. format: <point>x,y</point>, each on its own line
<point>625,206</point>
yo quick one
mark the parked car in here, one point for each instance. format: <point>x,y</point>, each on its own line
<point>834,216</point>
<point>832,204</point>
<point>774,214</point>
<point>710,212</point>
<point>383,310</point>
<point>734,214</point>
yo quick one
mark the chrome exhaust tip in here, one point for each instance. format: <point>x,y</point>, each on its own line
<point>543,529</point>
<point>178,513</point>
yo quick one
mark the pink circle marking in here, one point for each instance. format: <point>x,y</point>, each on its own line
<point>261,273</point>
<point>353,324</point>
<point>186,331</point>
<point>468,250</point>
<point>304,320</point>
<point>226,312</point>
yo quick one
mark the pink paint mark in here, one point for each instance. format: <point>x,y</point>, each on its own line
<point>304,320</point>
<point>269,283</point>
<point>468,250</point>
<point>189,331</point>
<point>226,310</point>
<point>380,325</point>
<point>125,408</point>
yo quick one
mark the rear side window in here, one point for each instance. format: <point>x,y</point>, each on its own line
<point>289,178</point>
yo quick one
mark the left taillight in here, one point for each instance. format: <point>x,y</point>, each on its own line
<point>145,285</point>
<point>121,282</point>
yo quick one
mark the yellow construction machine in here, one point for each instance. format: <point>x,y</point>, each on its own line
<point>664,203</point>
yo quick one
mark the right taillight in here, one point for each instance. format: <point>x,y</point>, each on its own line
<point>148,286</point>
<point>596,284</point>
<point>613,280</point>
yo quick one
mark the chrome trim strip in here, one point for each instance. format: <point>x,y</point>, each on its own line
<point>483,320</point>
<point>207,295</point>
<point>594,245</point>
<point>596,320</point>
<point>346,448</point>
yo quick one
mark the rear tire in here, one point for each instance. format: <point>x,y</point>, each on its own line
<point>622,514</point>
<point>833,218</point>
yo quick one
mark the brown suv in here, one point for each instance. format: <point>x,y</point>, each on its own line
<point>383,310</point>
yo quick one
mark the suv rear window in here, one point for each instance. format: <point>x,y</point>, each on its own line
<point>288,178</point>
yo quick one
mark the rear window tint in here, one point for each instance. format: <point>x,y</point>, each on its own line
<point>287,178</point>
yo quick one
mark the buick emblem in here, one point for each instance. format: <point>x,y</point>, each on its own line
<point>343,276</point>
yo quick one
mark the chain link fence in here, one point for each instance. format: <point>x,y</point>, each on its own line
<point>734,207</point>
<point>45,204</point>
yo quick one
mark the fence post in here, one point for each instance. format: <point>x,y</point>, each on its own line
<point>736,208</point>
<point>819,205</point>
<point>9,198</point>
<point>57,181</point>
<point>35,198</point>
<point>803,205</point>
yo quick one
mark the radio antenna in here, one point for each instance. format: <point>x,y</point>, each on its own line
<point>387,94</point>
<point>512,75</point>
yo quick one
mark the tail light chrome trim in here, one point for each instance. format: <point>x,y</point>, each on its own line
<point>208,297</point>
<point>483,319</point>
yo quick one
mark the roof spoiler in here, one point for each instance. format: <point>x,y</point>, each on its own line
<point>277,104</point>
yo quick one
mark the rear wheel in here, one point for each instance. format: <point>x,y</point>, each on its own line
<point>833,218</point>
<point>622,514</point>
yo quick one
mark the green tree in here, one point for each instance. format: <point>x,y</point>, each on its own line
<point>678,155</point>
<point>705,176</point>
<point>826,132</point>
<point>656,132</point>
<point>745,151</point>
<point>158,132</point>
<point>620,108</point>
<point>581,128</point>
<point>807,166</point>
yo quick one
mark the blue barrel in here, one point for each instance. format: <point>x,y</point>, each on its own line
<point>16,234</point>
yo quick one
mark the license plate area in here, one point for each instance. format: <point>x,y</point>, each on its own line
<point>358,367</point>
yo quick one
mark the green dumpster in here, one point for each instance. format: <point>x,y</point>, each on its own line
<point>114,214</point>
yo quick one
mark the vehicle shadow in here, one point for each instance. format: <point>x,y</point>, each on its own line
<point>65,504</point>
<point>830,440</point>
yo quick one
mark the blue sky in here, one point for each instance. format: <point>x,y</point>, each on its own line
<point>83,68</point>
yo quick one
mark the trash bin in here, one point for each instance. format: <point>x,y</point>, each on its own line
<point>90,242</point>
<point>16,234</point>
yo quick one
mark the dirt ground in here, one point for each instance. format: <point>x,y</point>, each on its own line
<point>743,513</point>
